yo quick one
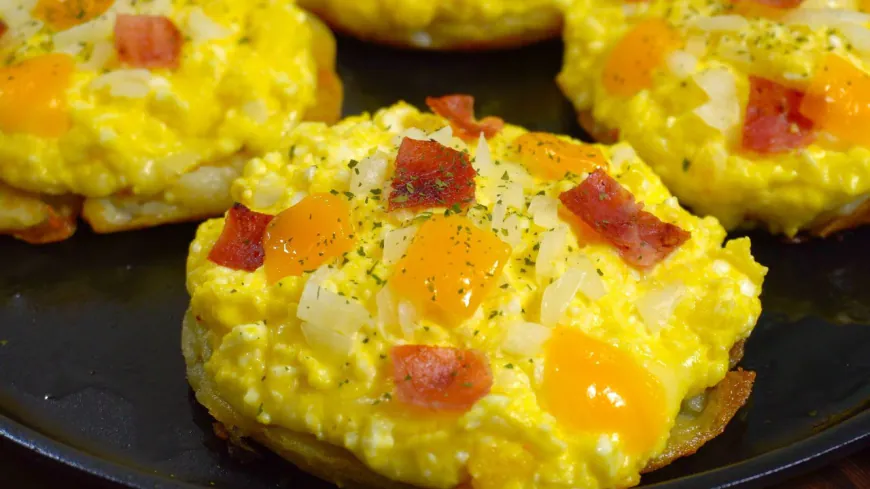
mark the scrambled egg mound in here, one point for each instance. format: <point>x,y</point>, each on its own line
<point>142,107</point>
<point>750,111</point>
<point>497,341</point>
<point>444,24</point>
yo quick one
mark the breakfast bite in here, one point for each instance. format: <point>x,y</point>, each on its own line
<point>444,24</point>
<point>751,111</point>
<point>441,300</point>
<point>137,113</point>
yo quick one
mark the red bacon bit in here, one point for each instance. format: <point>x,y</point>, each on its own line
<point>773,122</point>
<point>440,377</point>
<point>147,41</point>
<point>3,28</point>
<point>240,245</point>
<point>782,4</point>
<point>459,110</point>
<point>641,238</point>
<point>429,174</point>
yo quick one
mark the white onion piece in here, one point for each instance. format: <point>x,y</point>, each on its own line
<point>369,174</point>
<point>696,45</point>
<point>620,154</point>
<point>443,136</point>
<point>681,63</point>
<point>328,341</point>
<point>657,306</point>
<point>74,39</point>
<point>552,250</point>
<point>524,339</point>
<point>483,159</point>
<point>510,230</point>
<point>269,190</point>
<point>101,53</point>
<point>396,242</point>
<point>407,318</point>
<point>858,36</point>
<point>324,308</point>
<point>202,28</point>
<point>412,133</point>
<point>134,83</point>
<point>591,283</point>
<point>720,23</point>
<point>722,111</point>
<point>544,211</point>
<point>256,110</point>
<point>558,295</point>
<point>511,194</point>
<point>824,17</point>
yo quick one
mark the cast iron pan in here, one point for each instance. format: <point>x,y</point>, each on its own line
<point>91,374</point>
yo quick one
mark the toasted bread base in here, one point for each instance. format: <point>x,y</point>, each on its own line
<point>446,35</point>
<point>53,218</point>
<point>341,467</point>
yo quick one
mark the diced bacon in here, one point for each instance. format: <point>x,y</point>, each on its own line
<point>440,377</point>
<point>773,122</point>
<point>3,28</point>
<point>147,41</point>
<point>641,238</point>
<point>459,110</point>
<point>240,245</point>
<point>429,174</point>
<point>782,4</point>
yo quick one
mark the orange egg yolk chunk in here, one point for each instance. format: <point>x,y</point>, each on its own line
<point>838,100</point>
<point>33,96</point>
<point>63,14</point>
<point>591,386</point>
<point>449,268</point>
<point>630,66</point>
<point>551,158</point>
<point>307,235</point>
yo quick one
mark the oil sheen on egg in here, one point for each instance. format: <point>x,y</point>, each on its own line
<point>750,111</point>
<point>494,341</point>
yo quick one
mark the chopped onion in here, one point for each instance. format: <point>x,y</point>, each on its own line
<point>591,283</point>
<point>74,39</point>
<point>722,111</point>
<point>202,28</point>
<point>657,306</point>
<point>443,136</point>
<point>696,45</point>
<point>558,295</point>
<point>256,110</point>
<point>721,23</point>
<point>407,318</point>
<point>483,159</point>
<point>858,36</point>
<point>396,242</point>
<point>682,64</point>
<point>369,174</point>
<point>328,341</point>
<point>552,250</point>
<point>411,133</point>
<point>524,339</point>
<point>134,83</point>
<point>269,190</point>
<point>101,53</point>
<point>511,194</point>
<point>324,308</point>
<point>544,211</point>
<point>620,154</point>
<point>824,17</point>
<point>509,228</point>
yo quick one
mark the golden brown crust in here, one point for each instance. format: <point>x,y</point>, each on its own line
<point>550,28</point>
<point>691,432</point>
<point>858,217</point>
<point>339,466</point>
<point>35,218</point>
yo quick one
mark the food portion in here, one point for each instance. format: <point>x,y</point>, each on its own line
<point>444,24</point>
<point>755,112</point>
<point>396,300</point>
<point>136,113</point>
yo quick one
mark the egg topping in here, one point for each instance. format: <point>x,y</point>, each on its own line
<point>467,338</point>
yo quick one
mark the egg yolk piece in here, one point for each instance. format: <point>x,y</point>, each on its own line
<point>551,158</point>
<point>591,386</point>
<point>838,100</point>
<point>449,268</point>
<point>33,96</point>
<point>63,14</point>
<point>630,66</point>
<point>307,235</point>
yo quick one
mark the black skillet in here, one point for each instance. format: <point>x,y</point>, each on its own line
<point>91,374</point>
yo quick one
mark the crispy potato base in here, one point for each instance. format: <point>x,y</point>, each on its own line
<point>54,218</point>
<point>341,467</point>
<point>446,36</point>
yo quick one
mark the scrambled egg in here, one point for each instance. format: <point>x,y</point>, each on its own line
<point>675,78</point>
<point>149,144</point>
<point>444,24</point>
<point>288,347</point>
